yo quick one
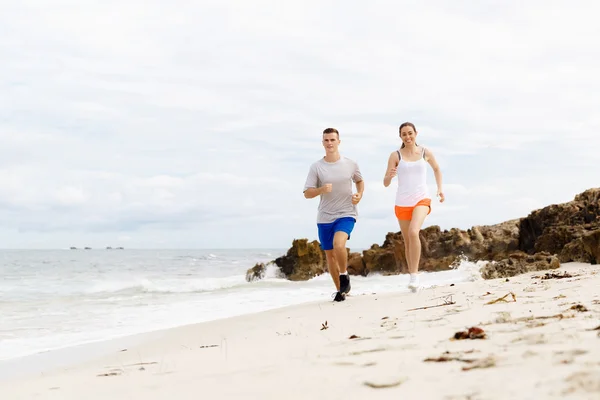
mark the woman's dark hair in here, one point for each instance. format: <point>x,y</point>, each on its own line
<point>404,125</point>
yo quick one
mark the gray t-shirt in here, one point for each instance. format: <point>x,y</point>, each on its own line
<point>341,174</point>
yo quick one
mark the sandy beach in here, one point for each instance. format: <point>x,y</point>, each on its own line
<point>538,338</point>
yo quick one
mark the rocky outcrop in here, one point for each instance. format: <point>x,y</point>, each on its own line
<point>542,240</point>
<point>519,263</point>
<point>591,245</point>
<point>442,250</point>
<point>564,229</point>
<point>304,260</point>
<point>356,264</point>
<point>256,273</point>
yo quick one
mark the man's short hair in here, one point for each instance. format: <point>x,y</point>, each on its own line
<point>331,130</point>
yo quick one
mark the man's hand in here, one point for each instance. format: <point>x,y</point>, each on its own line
<point>326,188</point>
<point>356,197</point>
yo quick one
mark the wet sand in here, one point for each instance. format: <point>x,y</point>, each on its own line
<point>535,338</point>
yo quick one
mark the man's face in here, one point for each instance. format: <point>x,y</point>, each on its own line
<point>331,142</point>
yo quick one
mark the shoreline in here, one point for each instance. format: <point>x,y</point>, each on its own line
<point>48,360</point>
<point>395,282</point>
<point>291,352</point>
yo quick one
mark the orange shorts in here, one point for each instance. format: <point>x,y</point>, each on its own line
<point>405,213</point>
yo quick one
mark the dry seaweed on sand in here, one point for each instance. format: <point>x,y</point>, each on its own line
<point>487,362</point>
<point>447,356</point>
<point>554,275</point>
<point>473,332</point>
<point>531,318</point>
<point>580,308</point>
<point>503,298</point>
<point>447,302</point>
<point>384,385</point>
<point>114,372</point>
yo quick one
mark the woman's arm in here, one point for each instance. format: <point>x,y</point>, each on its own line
<point>430,158</point>
<point>392,167</point>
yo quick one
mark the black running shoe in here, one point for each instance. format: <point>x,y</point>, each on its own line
<point>344,283</point>
<point>339,296</point>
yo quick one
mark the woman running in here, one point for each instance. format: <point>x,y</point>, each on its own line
<point>413,202</point>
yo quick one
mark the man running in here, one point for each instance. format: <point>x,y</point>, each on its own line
<point>331,178</point>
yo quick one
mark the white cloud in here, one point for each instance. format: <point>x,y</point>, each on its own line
<point>70,196</point>
<point>186,124</point>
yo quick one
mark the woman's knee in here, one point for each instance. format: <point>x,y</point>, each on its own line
<point>413,233</point>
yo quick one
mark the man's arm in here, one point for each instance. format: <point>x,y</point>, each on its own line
<point>313,192</point>
<point>311,186</point>
<point>360,187</point>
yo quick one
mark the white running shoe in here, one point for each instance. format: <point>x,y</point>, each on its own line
<point>413,284</point>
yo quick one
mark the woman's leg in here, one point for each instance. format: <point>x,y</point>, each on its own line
<point>404,225</point>
<point>414,228</point>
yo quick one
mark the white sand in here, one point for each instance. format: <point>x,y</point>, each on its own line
<point>284,354</point>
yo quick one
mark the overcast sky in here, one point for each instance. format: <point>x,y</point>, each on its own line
<point>192,124</point>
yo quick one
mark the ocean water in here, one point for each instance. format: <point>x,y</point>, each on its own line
<point>52,299</point>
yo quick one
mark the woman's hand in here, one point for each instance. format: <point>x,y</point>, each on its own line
<point>440,194</point>
<point>392,172</point>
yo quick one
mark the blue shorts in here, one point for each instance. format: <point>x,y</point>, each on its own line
<point>328,230</point>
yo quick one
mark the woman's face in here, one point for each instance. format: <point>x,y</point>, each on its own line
<point>408,135</point>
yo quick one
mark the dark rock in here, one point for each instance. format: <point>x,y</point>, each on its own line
<point>560,228</point>
<point>256,273</point>
<point>519,263</point>
<point>356,264</point>
<point>303,261</point>
<point>591,245</point>
<point>442,250</point>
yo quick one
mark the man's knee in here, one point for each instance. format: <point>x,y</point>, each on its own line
<point>339,240</point>
<point>339,244</point>
<point>330,255</point>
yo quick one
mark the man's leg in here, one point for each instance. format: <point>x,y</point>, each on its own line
<point>343,230</point>
<point>326,232</point>
<point>341,254</point>
<point>332,265</point>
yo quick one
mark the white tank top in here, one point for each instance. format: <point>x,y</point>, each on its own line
<point>412,181</point>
